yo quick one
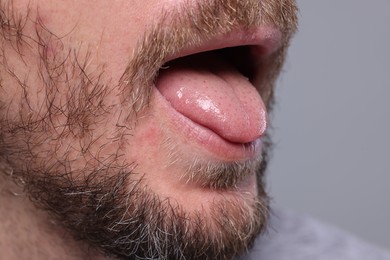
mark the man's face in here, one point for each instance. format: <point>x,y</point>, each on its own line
<point>139,125</point>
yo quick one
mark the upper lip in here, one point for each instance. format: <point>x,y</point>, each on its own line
<point>261,42</point>
<point>266,40</point>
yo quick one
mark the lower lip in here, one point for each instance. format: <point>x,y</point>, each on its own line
<point>202,137</point>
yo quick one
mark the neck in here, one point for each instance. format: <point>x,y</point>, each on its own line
<point>28,233</point>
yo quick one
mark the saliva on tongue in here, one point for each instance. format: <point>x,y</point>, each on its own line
<point>211,92</point>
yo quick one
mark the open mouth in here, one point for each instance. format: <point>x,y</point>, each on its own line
<point>215,90</point>
<point>240,57</point>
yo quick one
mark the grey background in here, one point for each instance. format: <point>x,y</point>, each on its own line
<point>331,121</point>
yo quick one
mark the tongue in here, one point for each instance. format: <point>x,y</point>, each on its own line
<point>212,93</point>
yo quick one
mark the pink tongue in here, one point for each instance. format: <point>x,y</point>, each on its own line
<point>212,93</point>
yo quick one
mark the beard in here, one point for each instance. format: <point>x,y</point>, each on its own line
<point>125,219</point>
<point>98,195</point>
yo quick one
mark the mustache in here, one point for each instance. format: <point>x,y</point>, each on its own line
<point>189,25</point>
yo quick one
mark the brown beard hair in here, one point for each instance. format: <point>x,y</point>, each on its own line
<point>103,203</point>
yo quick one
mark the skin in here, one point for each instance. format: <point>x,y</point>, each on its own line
<point>83,135</point>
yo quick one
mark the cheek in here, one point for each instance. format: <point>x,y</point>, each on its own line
<point>105,31</point>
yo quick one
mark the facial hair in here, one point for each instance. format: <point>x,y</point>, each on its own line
<point>105,200</point>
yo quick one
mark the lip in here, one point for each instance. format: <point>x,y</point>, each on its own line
<point>201,138</point>
<point>263,41</point>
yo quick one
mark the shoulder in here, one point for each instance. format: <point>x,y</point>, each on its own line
<point>294,237</point>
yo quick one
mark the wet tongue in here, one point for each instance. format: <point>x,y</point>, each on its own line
<point>212,93</point>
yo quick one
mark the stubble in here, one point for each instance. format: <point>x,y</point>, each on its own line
<point>98,195</point>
